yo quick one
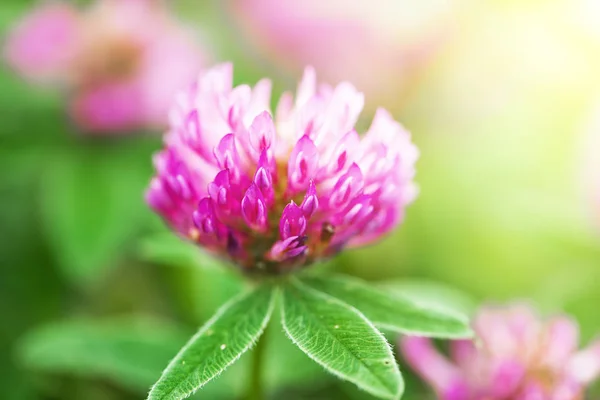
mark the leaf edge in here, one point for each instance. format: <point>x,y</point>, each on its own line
<point>468,332</point>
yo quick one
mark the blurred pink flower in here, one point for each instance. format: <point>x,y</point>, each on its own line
<point>278,193</point>
<point>41,45</point>
<point>515,356</point>
<point>121,61</point>
<point>378,45</point>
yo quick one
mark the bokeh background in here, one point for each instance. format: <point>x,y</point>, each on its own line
<point>501,96</point>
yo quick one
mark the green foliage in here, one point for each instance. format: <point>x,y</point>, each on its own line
<point>321,316</point>
<point>92,205</point>
<point>169,249</point>
<point>391,311</point>
<point>231,384</point>
<point>341,339</point>
<point>193,269</point>
<point>280,354</point>
<point>129,352</point>
<point>431,295</point>
<point>219,343</point>
<point>498,165</point>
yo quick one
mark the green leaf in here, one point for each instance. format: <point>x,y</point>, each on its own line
<point>432,295</point>
<point>392,312</point>
<point>232,383</point>
<point>194,267</point>
<point>130,352</point>
<point>219,343</point>
<point>280,353</point>
<point>341,339</point>
<point>169,249</point>
<point>93,204</point>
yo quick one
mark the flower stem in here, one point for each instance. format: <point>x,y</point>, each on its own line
<point>256,390</point>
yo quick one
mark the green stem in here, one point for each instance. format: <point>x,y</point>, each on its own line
<point>256,390</point>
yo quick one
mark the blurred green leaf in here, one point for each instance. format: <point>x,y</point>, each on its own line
<point>92,203</point>
<point>231,383</point>
<point>219,282</point>
<point>130,352</point>
<point>19,97</point>
<point>341,339</point>
<point>432,295</point>
<point>218,344</point>
<point>168,249</point>
<point>390,311</point>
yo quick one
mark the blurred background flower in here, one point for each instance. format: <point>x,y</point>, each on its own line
<point>501,101</point>
<point>516,355</point>
<point>121,62</point>
<point>379,46</point>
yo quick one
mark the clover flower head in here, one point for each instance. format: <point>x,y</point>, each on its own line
<point>277,191</point>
